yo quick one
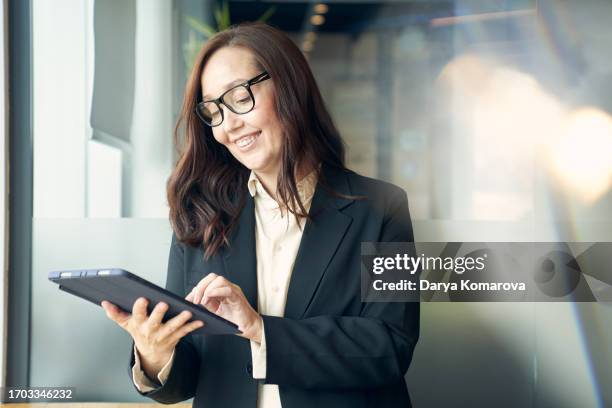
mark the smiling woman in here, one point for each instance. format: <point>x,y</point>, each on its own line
<point>292,131</point>
<point>268,224</point>
<point>255,137</point>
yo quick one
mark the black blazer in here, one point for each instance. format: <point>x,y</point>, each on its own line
<point>330,349</point>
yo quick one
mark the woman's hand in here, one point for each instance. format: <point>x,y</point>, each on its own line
<point>226,300</point>
<point>154,340</point>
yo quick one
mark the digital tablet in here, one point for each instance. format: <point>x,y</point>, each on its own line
<point>122,288</point>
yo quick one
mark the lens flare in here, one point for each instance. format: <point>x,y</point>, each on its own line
<point>582,157</point>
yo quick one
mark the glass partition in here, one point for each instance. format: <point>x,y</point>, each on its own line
<point>493,116</point>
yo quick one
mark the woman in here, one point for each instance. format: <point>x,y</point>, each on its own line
<point>268,225</point>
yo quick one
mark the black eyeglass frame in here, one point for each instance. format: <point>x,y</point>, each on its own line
<point>246,84</point>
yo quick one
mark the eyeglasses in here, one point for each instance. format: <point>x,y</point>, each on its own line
<point>238,99</point>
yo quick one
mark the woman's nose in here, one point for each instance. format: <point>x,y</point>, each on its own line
<point>231,120</point>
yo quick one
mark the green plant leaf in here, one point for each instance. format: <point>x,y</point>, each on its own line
<point>265,16</point>
<point>203,28</point>
<point>190,52</point>
<point>218,17</point>
<point>225,15</point>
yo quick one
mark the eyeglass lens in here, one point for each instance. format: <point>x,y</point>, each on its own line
<point>238,100</point>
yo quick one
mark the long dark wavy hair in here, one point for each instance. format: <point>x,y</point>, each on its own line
<point>207,188</point>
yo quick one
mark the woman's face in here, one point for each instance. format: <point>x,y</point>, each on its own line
<point>254,138</point>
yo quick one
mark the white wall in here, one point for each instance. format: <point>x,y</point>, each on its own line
<point>59,38</point>
<point>153,121</point>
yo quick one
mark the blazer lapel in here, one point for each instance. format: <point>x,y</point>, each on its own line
<point>319,242</point>
<point>240,259</point>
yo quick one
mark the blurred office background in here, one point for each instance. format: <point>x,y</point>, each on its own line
<point>494,115</point>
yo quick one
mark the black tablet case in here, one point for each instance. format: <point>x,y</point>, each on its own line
<point>122,288</point>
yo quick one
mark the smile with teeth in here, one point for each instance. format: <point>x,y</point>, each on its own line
<point>246,141</point>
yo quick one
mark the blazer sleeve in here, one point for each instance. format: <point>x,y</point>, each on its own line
<point>183,377</point>
<point>371,350</point>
